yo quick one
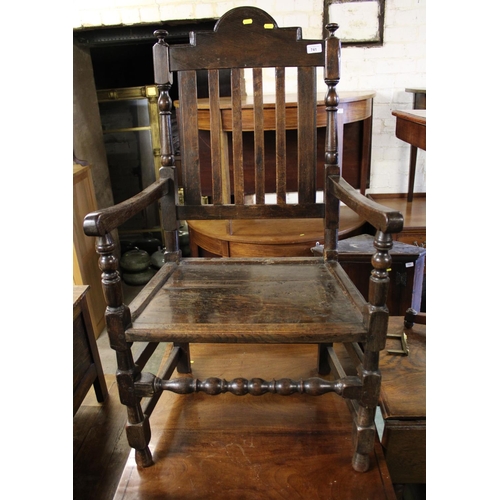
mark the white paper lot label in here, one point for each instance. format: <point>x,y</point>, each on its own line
<point>314,48</point>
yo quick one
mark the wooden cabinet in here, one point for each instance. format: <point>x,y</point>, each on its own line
<point>406,274</point>
<point>85,268</point>
<point>87,368</point>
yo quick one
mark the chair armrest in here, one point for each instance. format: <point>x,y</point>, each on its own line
<point>383,218</point>
<point>104,221</point>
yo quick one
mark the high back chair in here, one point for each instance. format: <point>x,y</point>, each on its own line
<point>293,300</point>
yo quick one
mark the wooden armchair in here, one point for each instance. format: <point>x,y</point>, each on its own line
<point>248,300</point>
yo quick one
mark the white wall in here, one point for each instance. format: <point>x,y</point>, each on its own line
<point>388,70</point>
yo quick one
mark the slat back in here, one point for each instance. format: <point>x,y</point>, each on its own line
<point>243,142</point>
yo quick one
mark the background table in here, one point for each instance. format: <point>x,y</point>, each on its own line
<point>411,128</point>
<point>419,97</point>
<point>266,237</point>
<point>419,102</point>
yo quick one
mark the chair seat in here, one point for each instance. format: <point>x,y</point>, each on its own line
<point>257,300</point>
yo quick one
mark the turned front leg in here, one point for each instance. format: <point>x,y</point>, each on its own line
<point>377,320</point>
<point>118,319</point>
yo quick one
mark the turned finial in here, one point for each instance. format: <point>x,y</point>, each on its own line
<point>332,28</point>
<point>161,35</point>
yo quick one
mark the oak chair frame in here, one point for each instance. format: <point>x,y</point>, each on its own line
<point>255,44</point>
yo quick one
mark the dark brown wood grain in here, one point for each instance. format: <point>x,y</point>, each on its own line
<point>188,137</point>
<point>306,139</point>
<point>261,47</point>
<point>354,136</point>
<point>381,217</point>
<point>275,300</point>
<point>105,220</point>
<point>281,181</point>
<point>237,135</point>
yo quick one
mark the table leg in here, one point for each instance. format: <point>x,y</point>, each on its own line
<point>411,179</point>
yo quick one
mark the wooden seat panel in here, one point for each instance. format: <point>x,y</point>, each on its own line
<point>250,300</point>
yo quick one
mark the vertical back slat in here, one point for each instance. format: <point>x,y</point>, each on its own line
<point>239,185</point>
<point>189,137</point>
<point>280,137</point>
<point>306,134</point>
<point>259,136</point>
<point>215,136</point>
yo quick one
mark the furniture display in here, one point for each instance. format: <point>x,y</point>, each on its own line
<point>87,369</point>
<point>85,268</point>
<point>402,402</point>
<point>262,448</point>
<point>247,300</point>
<point>410,127</point>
